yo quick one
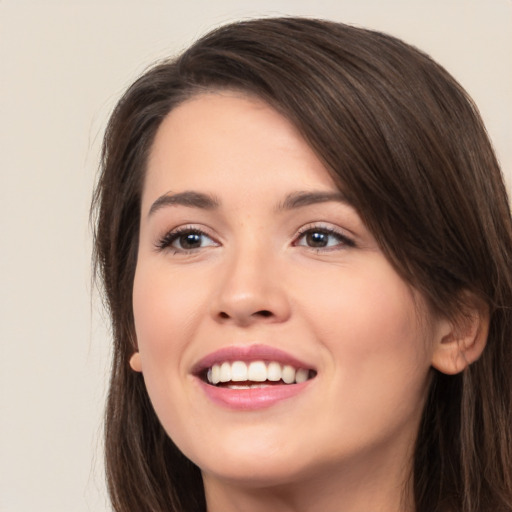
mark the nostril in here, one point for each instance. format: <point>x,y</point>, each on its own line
<point>264,313</point>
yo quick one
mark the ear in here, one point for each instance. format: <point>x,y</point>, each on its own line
<point>462,341</point>
<point>135,362</point>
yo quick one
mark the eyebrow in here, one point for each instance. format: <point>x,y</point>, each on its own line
<point>209,202</point>
<point>187,198</point>
<point>300,199</point>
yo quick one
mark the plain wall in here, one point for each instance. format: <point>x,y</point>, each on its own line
<point>63,66</point>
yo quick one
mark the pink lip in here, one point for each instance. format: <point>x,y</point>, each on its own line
<point>254,398</point>
<point>247,354</point>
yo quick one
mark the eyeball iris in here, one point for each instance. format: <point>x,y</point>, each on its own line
<point>190,241</point>
<point>317,239</point>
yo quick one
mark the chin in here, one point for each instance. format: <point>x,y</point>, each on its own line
<point>268,462</point>
<point>258,474</point>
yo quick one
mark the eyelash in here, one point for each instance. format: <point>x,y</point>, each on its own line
<point>172,236</point>
<point>169,238</point>
<point>343,240</point>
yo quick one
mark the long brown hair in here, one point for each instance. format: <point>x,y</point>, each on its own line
<point>407,144</point>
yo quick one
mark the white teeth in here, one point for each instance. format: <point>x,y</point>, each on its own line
<point>288,375</point>
<point>251,386</point>
<point>215,375</point>
<point>301,375</point>
<point>255,371</point>
<point>238,371</point>
<point>225,372</point>
<point>274,372</point>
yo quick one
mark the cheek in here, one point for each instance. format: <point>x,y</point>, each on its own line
<point>165,310</point>
<point>166,319</point>
<point>374,306</point>
<point>378,348</point>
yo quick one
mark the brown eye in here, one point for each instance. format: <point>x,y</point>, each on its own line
<point>322,238</point>
<point>189,241</point>
<point>316,239</point>
<point>185,240</point>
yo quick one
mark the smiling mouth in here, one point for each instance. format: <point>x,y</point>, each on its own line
<point>255,374</point>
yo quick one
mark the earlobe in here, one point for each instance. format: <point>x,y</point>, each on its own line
<point>135,362</point>
<point>463,343</point>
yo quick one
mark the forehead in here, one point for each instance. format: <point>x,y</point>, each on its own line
<point>225,140</point>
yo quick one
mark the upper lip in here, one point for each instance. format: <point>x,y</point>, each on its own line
<point>247,354</point>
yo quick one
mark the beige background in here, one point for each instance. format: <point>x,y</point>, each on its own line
<point>63,65</point>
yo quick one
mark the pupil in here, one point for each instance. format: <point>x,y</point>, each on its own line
<point>317,239</point>
<point>190,241</point>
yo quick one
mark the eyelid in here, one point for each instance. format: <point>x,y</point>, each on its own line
<point>341,234</point>
<point>165,241</point>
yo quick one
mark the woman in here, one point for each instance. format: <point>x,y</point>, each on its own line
<point>305,244</point>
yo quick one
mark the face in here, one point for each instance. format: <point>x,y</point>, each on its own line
<point>276,341</point>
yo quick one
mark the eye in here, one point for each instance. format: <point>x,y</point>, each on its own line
<point>323,238</point>
<point>185,239</point>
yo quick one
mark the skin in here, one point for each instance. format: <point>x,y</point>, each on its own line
<point>254,278</point>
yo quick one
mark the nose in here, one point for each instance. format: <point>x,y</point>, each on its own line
<point>251,290</point>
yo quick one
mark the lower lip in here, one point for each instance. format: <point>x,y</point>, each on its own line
<point>253,398</point>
